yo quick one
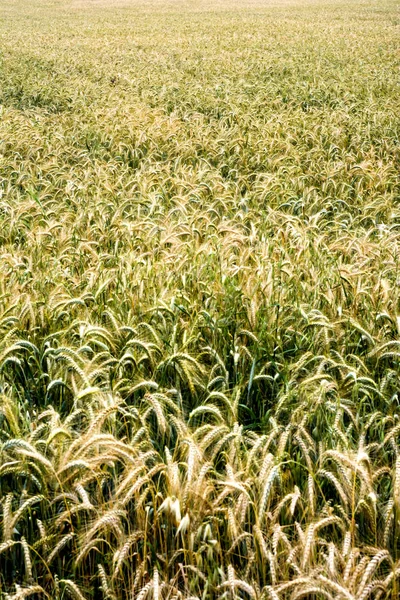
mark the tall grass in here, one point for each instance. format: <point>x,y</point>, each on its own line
<point>199,300</point>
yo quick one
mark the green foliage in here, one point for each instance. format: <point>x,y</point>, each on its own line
<point>199,305</point>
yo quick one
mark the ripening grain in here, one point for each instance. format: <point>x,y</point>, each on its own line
<point>199,300</point>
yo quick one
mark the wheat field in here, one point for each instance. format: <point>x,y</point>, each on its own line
<point>199,300</point>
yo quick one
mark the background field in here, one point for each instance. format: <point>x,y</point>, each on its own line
<point>199,299</point>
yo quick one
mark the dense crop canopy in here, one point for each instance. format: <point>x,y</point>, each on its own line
<point>199,300</point>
